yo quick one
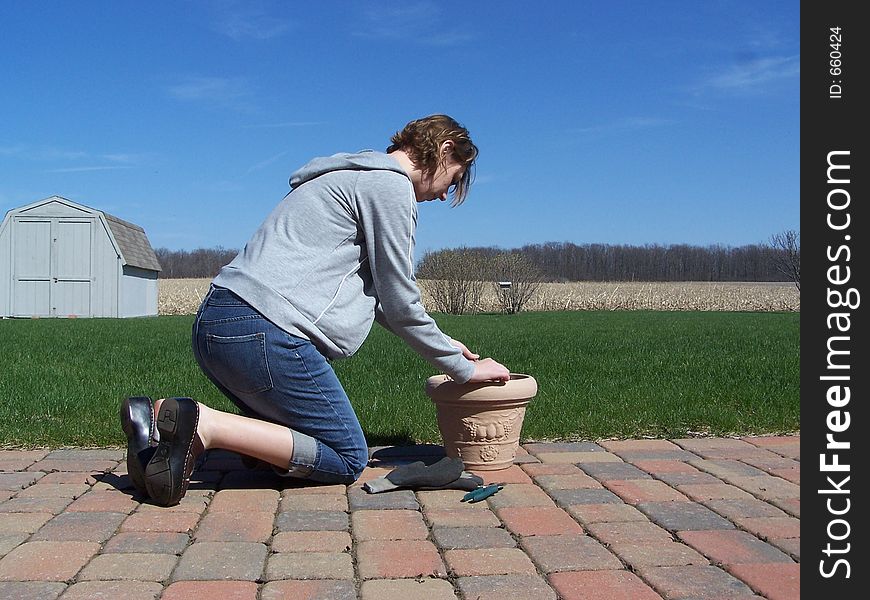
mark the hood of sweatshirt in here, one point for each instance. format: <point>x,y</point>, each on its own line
<point>365,160</point>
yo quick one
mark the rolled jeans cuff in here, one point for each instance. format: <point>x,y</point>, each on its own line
<point>304,456</point>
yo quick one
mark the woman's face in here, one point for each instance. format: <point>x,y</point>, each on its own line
<point>437,185</point>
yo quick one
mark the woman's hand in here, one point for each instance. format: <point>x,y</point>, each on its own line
<point>489,370</point>
<point>465,351</point>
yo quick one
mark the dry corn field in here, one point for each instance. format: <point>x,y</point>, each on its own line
<point>182,296</point>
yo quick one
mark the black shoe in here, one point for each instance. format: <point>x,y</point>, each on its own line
<point>167,474</point>
<point>137,421</point>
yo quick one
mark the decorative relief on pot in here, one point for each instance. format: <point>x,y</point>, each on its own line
<point>488,453</point>
<point>495,431</point>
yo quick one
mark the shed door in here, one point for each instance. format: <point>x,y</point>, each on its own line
<point>52,267</point>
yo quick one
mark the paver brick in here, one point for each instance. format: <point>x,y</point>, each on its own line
<point>538,520</point>
<point>793,475</point>
<point>52,506</point>
<point>688,478</point>
<point>54,490</point>
<point>488,561</point>
<point>333,502</point>
<point>735,508</point>
<point>244,501</point>
<point>48,465</point>
<point>309,590</point>
<point>629,531</point>
<point>311,541</point>
<point>242,561</point>
<point>790,505</point>
<point>11,523</point>
<point>462,518</point>
<point>776,581</point>
<point>682,516</point>
<point>579,480</point>
<point>118,566</point>
<point>309,565</point>
<point>235,527</point>
<point>576,457</point>
<point>225,590</point>
<point>103,501</point>
<point>635,491</point>
<point>31,590</point>
<point>194,501</point>
<point>406,589</point>
<point>10,541</point>
<point>601,585</point>
<point>535,469</point>
<point>441,499</point>
<point>791,546</point>
<point>388,525</point>
<point>46,561</point>
<point>600,513</point>
<point>144,541</point>
<point>465,538</point>
<point>694,581</point>
<point>638,445</point>
<point>535,448</point>
<point>699,492</point>
<point>513,474</point>
<point>726,469</point>
<point>663,553</point>
<point>768,487</point>
<point>733,547</point>
<point>80,526</point>
<point>571,552</point>
<point>18,481</point>
<point>312,520</point>
<point>771,527</point>
<point>399,559</point>
<point>607,471</point>
<point>660,466</point>
<point>302,487</point>
<point>114,590</point>
<point>567,498</point>
<point>519,494</point>
<point>500,587</point>
<point>164,522</point>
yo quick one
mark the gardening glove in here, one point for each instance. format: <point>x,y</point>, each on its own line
<point>447,473</point>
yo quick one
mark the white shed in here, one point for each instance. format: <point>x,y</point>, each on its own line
<point>62,259</point>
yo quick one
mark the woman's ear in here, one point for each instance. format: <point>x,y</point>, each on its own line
<point>446,148</point>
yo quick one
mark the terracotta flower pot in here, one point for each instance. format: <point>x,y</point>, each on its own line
<point>480,423</point>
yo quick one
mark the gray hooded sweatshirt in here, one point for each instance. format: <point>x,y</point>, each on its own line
<point>336,254</point>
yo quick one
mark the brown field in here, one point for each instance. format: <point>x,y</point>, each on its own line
<point>182,296</point>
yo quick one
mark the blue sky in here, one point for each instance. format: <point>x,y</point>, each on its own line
<point>599,121</point>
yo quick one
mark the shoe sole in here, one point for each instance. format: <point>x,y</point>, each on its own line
<point>177,422</point>
<point>136,459</point>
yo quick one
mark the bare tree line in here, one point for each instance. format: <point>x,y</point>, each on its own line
<point>565,261</point>
<point>202,262</point>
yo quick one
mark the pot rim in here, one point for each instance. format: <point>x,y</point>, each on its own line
<point>517,392</point>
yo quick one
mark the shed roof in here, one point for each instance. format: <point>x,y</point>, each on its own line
<point>135,248</point>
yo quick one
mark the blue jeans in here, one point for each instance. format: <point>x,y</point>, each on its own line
<point>277,377</point>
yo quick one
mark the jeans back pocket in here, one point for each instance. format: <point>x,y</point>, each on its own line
<point>239,362</point>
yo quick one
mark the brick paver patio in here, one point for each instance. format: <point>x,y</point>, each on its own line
<point>698,518</point>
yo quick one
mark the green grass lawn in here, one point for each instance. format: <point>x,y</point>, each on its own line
<point>600,375</point>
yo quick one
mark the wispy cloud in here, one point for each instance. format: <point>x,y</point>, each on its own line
<point>753,74</point>
<point>415,22</point>
<point>85,169</point>
<point>285,125</point>
<point>623,125</point>
<point>265,163</point>
<point>49,154</point>
<point>241,20</point>
<point>223,92</point>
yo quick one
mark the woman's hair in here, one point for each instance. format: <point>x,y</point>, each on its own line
<point>422,138</point>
